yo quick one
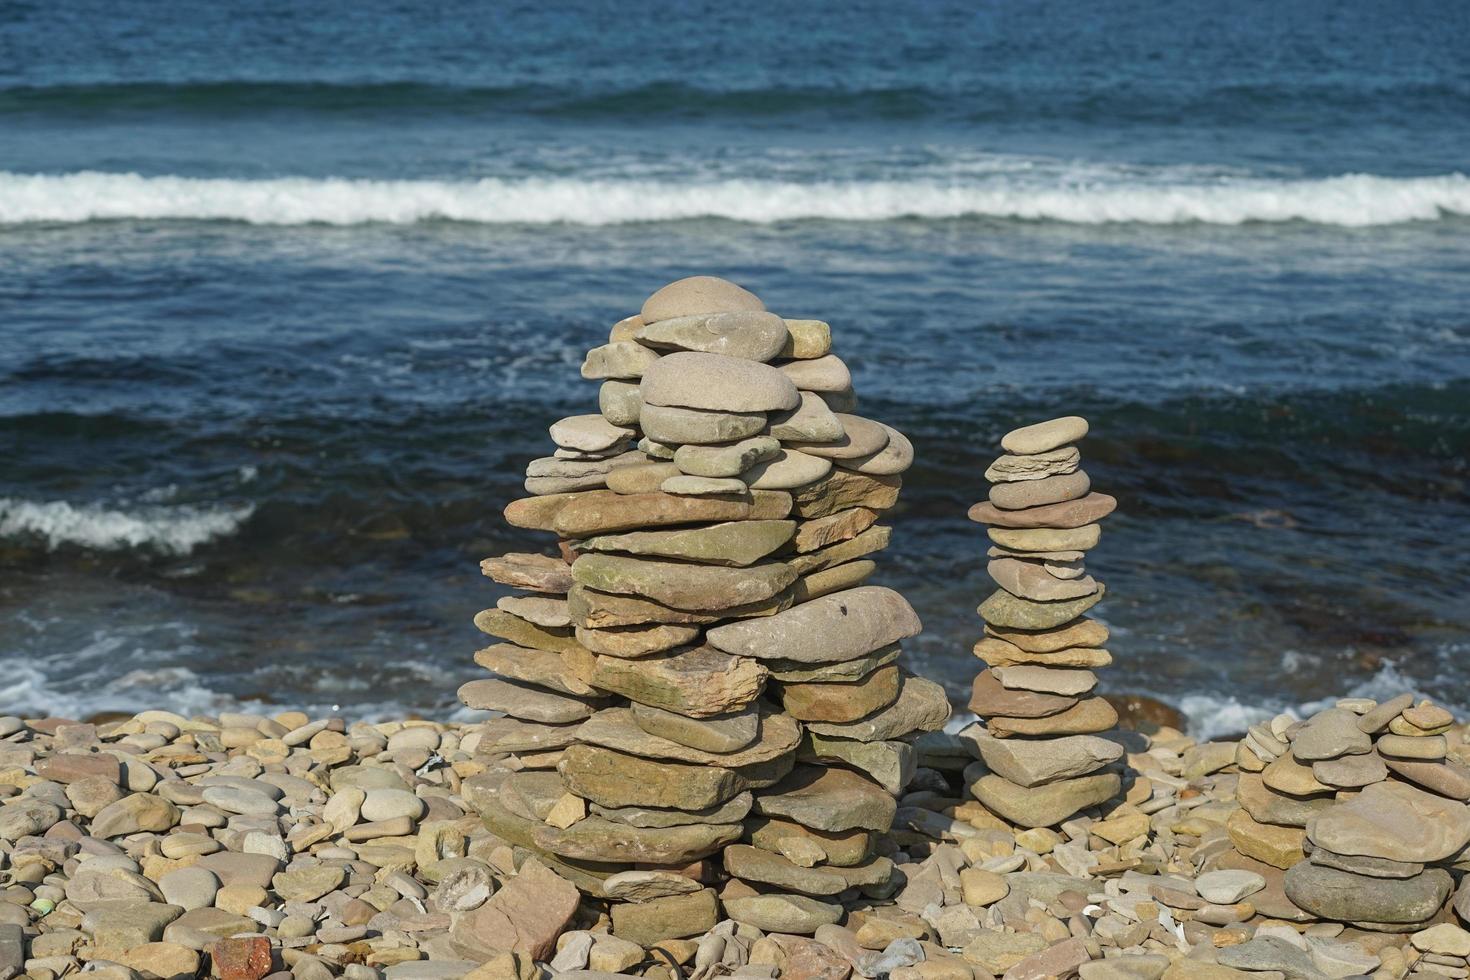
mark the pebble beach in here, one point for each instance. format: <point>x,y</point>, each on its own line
<point>700,751</point>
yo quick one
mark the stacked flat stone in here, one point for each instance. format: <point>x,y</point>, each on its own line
<point>1042,759</point>
<point>701,673</point>
<point>1365,806</point>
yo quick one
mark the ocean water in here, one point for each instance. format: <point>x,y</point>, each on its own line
<point>289,293</point>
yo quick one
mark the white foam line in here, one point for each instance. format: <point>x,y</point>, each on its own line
<point>1350,200</point>
<point>170,530</point>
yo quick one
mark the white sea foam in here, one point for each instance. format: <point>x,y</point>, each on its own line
<point>1164,197</point>
<point>175,530</point>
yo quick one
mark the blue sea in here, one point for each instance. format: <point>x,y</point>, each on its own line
<point>289,293</point>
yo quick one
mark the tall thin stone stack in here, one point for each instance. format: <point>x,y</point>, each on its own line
<point>1042,757</point>
<point>1363,804</point>
<point>703,636</point>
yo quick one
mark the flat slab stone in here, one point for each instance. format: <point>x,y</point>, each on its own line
<point>828,799</point>
<point>588,433</point>
<point>525,702</point>
<point>615,779</point>
<point>783,913</point>
<point>1044,436</point>
<point>1078,633</point>
<point>581,515</point>
<point>733,810</point>
<point>1038,493</point>
<point>1330,734</point>
<point>1001,653</point>
<point>841,701</point>
<point>1344,897</point>
<point>720,733</point>
<point>1069,514</point>
<point>827,373</point>
<point>1033,762</point>
<point>834,627</point>
<point>787,470</point>
<point>535,573</point>
<point>675,426</point>
<point>749,334</point>
<point>622,359</point>
<point>1046,540</point>
<point>1030,580</point>
<point>843,489</point>
<point>540,668</point>
<point>860,438</point>
<point>921,706</point>
<point>1036,466</point>
<point>1005,610</point>
<point>1050,680</point>
<point>1394,821</point>
<point>736,543</point>
<point>1085,718</point>
<point>728,460</point>
<point>1048,804</point>
<point>615,728</point>
<point>681,584</point>
<point>989,697</point>
<point>701,681</point>
<point>715,382</point>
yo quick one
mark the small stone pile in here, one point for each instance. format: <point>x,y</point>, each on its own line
<point>700,671</point>
<point>1042,757</point>
<point>1364,803</point>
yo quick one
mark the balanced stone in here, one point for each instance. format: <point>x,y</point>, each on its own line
<point>1032,762</point>
<point>726,461</point>
<point>739,543</point>
<point>828,799</point>
<point>787,470</point>
<point>677,426</point>
<point>834,627</point>
<point>621,360</point>
<point>682,585</point>
<point>1036,466</point>
<point>718,733</point>
<point>1006,610</point>
<point>1393,821</point>
<point>1046,539</point>
<point>860,438</point>
<point>749,334</point>
<point>1030,580</point>
<point>1045,804</point>
<point>701,682</point>
<point>589,433</point>
<point>612,779</point>
<point>1062,516</point>
<point>1038,493</point>
<point>698,294</point>
<point>809,421</point>
<point>1044,436</point>
<point>821,374</point>
<point>715,382</point>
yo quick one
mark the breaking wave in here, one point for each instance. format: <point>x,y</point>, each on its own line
<point>1350,200</point>
<point>173,530</point>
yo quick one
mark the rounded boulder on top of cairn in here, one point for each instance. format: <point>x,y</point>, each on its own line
<point>1041,755</point>
<point>702,704</point>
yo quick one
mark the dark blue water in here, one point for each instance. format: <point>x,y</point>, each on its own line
<point>289,293</point>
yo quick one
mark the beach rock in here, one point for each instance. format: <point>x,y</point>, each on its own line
<point>623,360</point>
<point>810,421</point>
<point>1047,804</point>
<point>783,913</point>
<point>1005,610</point>
<point>1034,466</point>
<point>1029,580</point>
<point>1068,514</point>
<point>828,799</point>
<point>700,681</point>
<point>1393,821</point>
<point>1044,436</point>
<point>727,460</point>
<point>1033,762</point>
<point>738,543</point>
<point>749,334</point>
<point>714,382</point>
<point>729,732</point>
<point>1330,734</point>
<point>697,295</point>
<point>620,402</point>
<point>842,490</point>
<point>834,627</point>
<point>524,701</point>
<point>787,470</point>
<point>1039,493</point>
<point>894,458</point>
<point>675,425</point>
<point>841,701</point>
<point>682,585</point>
<point>658,919</point>
<point>524,917</point>
<point>612,779</point>
<point>588,433</point>
<point>1345,897</point>
<point>921,705</point>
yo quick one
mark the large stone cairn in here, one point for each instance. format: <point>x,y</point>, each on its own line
<point>1042,759</point>
<point>700,675</point>
<point>1365,806</point>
